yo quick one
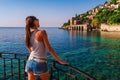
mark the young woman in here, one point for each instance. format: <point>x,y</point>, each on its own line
<point>37,43</point>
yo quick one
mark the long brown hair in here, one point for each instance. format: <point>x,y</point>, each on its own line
<point>29,24</point>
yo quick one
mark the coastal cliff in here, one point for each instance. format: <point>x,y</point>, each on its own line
<point>100,17</point>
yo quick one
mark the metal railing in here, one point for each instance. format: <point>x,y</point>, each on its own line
<point>12,66</point>
<point>70,72</point>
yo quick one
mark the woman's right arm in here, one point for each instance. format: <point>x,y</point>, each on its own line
<point>50,49</point>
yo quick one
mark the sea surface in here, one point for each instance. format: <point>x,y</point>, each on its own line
<point>97,53</point>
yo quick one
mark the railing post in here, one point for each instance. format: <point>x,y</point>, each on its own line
<point>70,71</point>
<point>58,75</point>
<point>19,69</point>
<point>24,71</point>
<point>0,55</point>
<point>11,68</point>
<point>75,78</point>
<point>54,63</point>
<point>15,56</point>
<point>51,73</point>
<point>88,79</point>
<point>4,68</point>
<point>66,77</point>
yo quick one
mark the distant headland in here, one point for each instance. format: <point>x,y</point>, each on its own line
<point>105,17</point>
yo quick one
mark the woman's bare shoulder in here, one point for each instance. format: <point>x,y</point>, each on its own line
<point>42,31</point>
<point>39,35</point>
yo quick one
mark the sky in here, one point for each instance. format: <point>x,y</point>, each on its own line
<point>51,13</point>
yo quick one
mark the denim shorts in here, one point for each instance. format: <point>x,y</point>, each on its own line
<point>36,67</point>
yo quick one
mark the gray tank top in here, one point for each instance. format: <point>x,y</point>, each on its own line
<point>37,47</point>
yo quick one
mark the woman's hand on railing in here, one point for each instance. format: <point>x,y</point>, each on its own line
<point>63,62</point>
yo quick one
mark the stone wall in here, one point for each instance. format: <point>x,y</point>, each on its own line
<point>111,28</point>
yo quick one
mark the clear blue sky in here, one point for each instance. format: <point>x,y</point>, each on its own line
<point>52,13</point>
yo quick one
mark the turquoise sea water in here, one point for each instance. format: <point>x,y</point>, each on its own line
<point>97,53</point>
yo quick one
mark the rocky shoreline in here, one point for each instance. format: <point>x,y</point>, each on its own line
<point>110,28</point>
<point>104,28</point>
